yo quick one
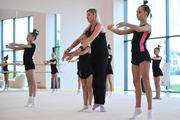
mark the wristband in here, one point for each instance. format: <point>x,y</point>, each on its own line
<point>81,47</point>
<point>68,49</point>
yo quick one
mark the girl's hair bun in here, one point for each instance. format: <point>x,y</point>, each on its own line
<point>159,46</point>
<point>145,2</point>
<point>36,32</point>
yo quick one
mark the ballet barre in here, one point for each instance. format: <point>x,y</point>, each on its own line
<point>36,64</point>
<point>3,64</point>
<point>24,72</point>
<point>39,64</point>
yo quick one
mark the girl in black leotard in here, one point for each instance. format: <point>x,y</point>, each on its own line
<point>157,73</point>
<point>29,50</point>
<point>140,57</point>
<point>99,56</point>
<point>109,72</point>
<point>54,72</point>
<point>6,73</point>
<point>85,74</point>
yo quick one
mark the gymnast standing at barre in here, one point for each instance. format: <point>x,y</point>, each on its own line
<point>157,73</point>
<point>54,71</point>
<point>29,50</point>
<point>6,73</point>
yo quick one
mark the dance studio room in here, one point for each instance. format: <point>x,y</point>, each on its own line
<point>89,59</point>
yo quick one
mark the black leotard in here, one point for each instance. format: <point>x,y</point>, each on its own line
<point>5,68</point>
<point>85,68</point>
<point>53,67</point>
<point>139,51</point>
<point>155,67</point>
<point>27,57</point>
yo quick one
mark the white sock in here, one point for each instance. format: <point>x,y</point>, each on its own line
<point>34,98</point>
<point>137,111</point>
<point>84,108</point>
<point>34,102</point>
<point>30,99</point>
<point>78,91</point>
<point>52,91</point>
<point>90,108</point>
<point>57,91</point>
<point>110,94</point>
<point>150,115</point>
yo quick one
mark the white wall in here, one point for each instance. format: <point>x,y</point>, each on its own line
<point>7,14</point>
<point>118,42</point>
<point>39,23</point>
<point>44,43</point>
<point>73,22</point>
<point>50,32</point>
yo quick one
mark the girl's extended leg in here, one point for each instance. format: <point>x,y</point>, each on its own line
<point>85,95</point>
<point>89,91</point>
<point>157,87</point>
<point>144,68</point>
<point>138,92</point>
<point>79,85</point>
<point>137,84</point>
<point>56,80</point>
<point>33,84</point>
<point>110,84</point>
<point>30,89</point>
<point>53,82</point>
<point>6,81</point>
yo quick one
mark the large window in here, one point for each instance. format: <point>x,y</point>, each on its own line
<point>174,28</point>
<point>21,34</point>
<point>174,17</point>
<point>174,63</point>
<point>158,20</point>
<point>165,32</point>
<point>21,30</point>
<point>7,32</point>
<point>10,60</point>
<point>15,30</point>
<point>151,44</point>
<point>31,24</point>
<point>57,37</point>
<point>8,37</point>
